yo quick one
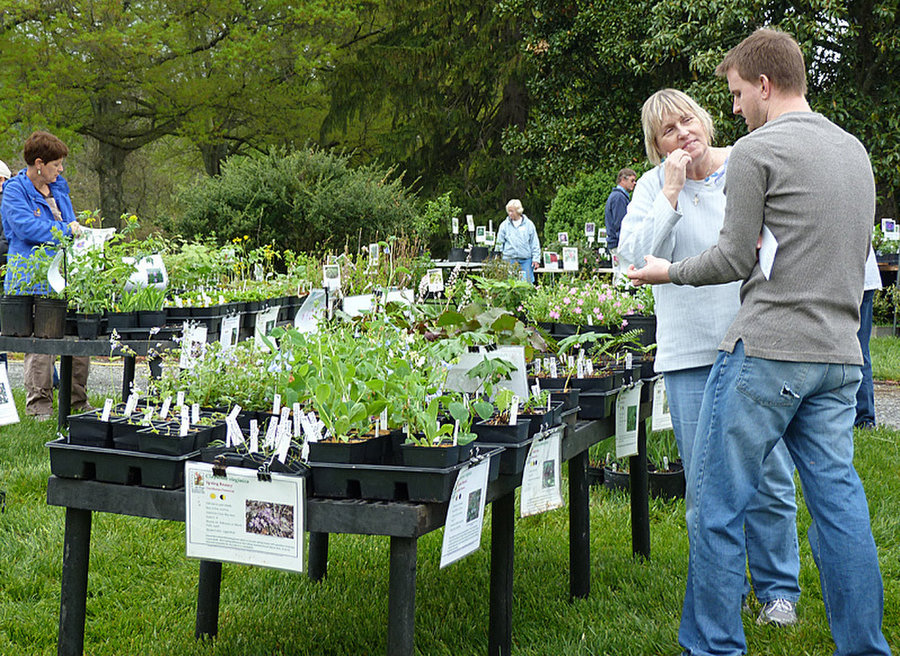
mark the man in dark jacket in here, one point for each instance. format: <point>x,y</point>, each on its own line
<point>617,205</point>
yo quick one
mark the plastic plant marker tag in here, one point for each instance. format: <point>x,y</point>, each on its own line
<point>513,410</point>
<point>470,222</point>
<point>164,410</point>
<point>234,435</point>
<point>235,411</point>
<point>276,404</point>
<point>179,399</point>
<point>185,421</point>
<point>254,436</point>
<point>107,408</point>
<point>195,413</point>
<point>297,414</point>
<point>384,419</point>
<point>536,388</point>
<point>589,367</point>
<point>271,432</point>
<point>537,366</point>
<point>131,404</point>
<point>629,360</point>
<point>148,416</point>
<point>455,431</point>
<point>554,372</point>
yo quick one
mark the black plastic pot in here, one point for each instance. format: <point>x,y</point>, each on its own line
<point>669,484</point>
<point>502,433</point>
<point>445,455</point>
<point>151,318</point>
<point>50,317</point>
<point>120,321</point>
<point>457,255</point>
<point>88,325</point>
<point>17,315</point>
<point>478,253</point>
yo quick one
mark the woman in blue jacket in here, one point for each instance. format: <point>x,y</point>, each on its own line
<point>517,240</point>
<point>35,202</point>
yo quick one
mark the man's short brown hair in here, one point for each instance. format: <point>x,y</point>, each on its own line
<point>44,146</point>
<point>771,53</point>
<point>625,173</point>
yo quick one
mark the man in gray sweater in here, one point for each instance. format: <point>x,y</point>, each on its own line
<point>802,189</point>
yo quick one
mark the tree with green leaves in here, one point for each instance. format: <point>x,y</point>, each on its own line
<point>592,64</point>
<point>430,87</point>
<point>226,75</point>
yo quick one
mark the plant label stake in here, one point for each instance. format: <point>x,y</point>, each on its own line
<point>195,413</point>
<point>276,404</point>
<point>107,408</point>
<point>185,422</point>
<point>513,410</point>
<point>254,436</point>
<point>164,410</point>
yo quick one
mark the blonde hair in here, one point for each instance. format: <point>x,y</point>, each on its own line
<point>662,103</point>
<point>516,204</point>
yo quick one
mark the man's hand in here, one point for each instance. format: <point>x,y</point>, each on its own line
<point>655,272</point>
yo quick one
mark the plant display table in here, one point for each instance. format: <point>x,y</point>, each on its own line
<point>68,347</point>
<point>404,522</point>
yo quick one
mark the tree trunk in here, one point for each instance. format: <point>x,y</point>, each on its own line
<point>213,156</point>
<point>110,166</point>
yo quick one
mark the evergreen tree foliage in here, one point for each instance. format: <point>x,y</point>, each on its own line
<point>305,200</point>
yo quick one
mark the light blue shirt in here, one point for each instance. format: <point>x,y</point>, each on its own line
<point>518,242</point>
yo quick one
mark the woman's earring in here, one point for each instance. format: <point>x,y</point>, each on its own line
<point>39,171</point>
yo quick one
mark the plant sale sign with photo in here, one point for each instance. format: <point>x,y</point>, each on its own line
<point>627,411</point>
<point>238,518</point>
<point>543,473</point>
<point>465,515</point>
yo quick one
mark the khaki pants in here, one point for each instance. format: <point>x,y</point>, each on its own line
<point>39,385</point>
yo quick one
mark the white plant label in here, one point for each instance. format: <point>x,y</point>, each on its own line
<point>164,410</point>
<point>465,515</point>
<point>627,414</point>
<point>662,420</point>
<point>107,408</point>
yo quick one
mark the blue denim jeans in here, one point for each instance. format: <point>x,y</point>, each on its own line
<point>749,404</point>
<point>770,523</point>
<point>865,397</point>
<point>527,267</point>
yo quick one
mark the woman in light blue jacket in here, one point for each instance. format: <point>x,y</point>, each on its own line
<point>517,240</point>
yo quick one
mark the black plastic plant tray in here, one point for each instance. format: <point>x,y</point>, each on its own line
<point>596,405</point>
<point>391,483</point>
<point>117,466</point>
<point>512,458</point>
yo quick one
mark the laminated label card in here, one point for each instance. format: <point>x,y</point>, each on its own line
<point>541,478</point>
<point>238,518</point>
<point>627,410</point>
<point>662,420</point>
<point>465,515</point>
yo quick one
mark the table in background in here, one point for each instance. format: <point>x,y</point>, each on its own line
<point>68,347</point>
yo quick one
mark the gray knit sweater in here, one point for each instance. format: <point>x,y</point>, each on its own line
<point>811,184</point>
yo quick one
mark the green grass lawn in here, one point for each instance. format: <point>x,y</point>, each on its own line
<point>142,589</point>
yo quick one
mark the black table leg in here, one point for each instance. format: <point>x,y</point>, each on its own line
<point>128,364</point>
<point>640,500</point>
<point>208,589</point>
<point>402,597</point>
<point>65,391</point>
<point>502,552</point>
<point>318,555</point>
<point>579,528</point>
<point>73,595</point>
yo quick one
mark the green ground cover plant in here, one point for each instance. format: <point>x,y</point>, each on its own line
<point>142,590</point>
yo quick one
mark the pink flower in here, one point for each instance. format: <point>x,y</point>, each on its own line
<point>567,300</point>
<point>576,310</point>
<point>624,322</point>
<point>554,314</point>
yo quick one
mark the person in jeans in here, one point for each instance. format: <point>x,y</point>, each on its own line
<point>517,240</point>
<point>35,202</point>
<point>790,364</point>
<point>677,211</point>
<point>865,396</point>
